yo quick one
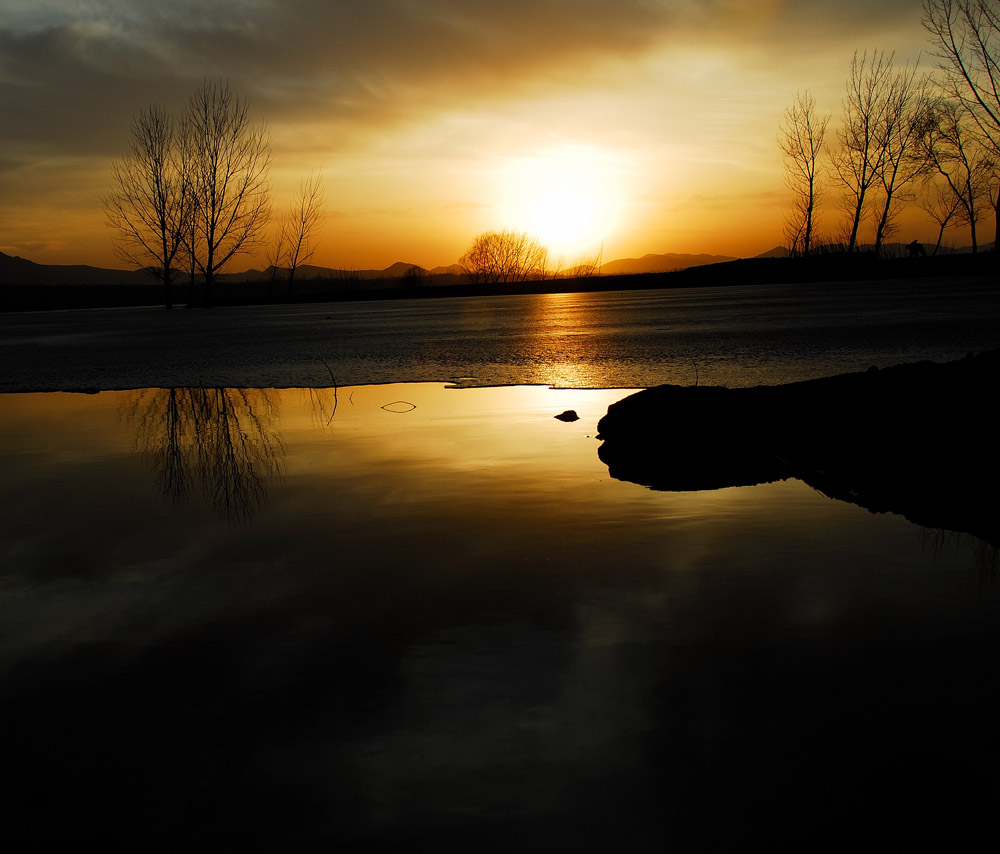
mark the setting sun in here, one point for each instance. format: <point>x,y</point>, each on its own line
<point>570,198</point>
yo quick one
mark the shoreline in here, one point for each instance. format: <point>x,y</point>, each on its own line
<point>861,267</point>
<point>908,439</point>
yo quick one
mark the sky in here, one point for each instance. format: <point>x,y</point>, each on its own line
<point>617,126</point>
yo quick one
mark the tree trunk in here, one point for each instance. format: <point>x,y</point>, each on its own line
<point>880,230</point>
<point>856,224</point>
<point>167,304</point>
<point>996,221</point>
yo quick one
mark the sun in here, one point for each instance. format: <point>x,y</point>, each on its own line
<point>568,197</point>
<point>563,217</point>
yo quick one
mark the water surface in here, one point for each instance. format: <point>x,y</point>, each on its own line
<point>735,336</point>
<point>384,615</point>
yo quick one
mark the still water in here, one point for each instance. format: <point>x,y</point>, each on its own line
<point>384,615</point>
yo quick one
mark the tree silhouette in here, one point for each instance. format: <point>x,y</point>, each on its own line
<point>966,39</point>
<point>955,154</point>
<point>938,201</point>
<point>871,111</point>
<point>226,159</point>
<point>504,256</point>
<point>149,206</point>
<point>800,139</point>
<point>905,116</point>
<point>298,230</point>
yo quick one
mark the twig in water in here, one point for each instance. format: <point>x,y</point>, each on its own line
<point>410,407</point>
<point>333,379</point>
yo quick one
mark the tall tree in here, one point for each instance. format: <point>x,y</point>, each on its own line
<point>800,139</point>
<point>966,39</point>
<point>227,159</point>
<point>904,118</point>
<point>149,205</point>
<point>858,160</point>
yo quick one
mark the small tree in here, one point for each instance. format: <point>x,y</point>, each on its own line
<point>800,139</point>
<point>226,158</point>
<point>275,256</point>
<point>953,151</point>
<point>504,256</point>
<point>149,206</point>
<point>938,201</point>
<point>301,224</point>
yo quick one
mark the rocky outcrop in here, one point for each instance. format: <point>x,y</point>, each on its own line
<point>917,439</point>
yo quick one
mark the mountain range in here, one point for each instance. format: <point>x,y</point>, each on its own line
<point>20,271</point>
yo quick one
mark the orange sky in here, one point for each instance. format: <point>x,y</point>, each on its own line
<point>639,125</point>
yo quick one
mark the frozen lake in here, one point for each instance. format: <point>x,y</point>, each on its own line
<point>731,336</point>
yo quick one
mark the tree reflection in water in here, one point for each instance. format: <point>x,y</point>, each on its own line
<point>221,442</point>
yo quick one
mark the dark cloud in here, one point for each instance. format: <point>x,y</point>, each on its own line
<point>74,79</point>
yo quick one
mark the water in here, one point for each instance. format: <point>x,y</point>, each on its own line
<point>732,336</point>
<point>371,617</point>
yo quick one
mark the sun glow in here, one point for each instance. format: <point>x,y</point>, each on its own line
<point>570,198</point>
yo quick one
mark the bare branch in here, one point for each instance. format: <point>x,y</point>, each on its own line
<point>227,159</point>
<point>149,205</point>
<point>800,139</point>
<point>505,256</point>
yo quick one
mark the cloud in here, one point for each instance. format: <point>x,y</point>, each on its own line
<point>91,66</point>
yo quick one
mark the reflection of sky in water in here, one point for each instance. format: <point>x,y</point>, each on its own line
<point>451,620</point>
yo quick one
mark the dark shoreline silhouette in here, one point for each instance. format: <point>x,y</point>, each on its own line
<point>915,439</point>
<point>862,266</point>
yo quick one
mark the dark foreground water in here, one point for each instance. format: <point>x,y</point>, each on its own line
<point>382,616</point>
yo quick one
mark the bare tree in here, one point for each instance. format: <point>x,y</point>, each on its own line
<point>301,224</point>
<point>955,153</point>
<point>859,158</point>
<point>904,118</point>
<point>505,256</point>
<point>800,139</point>
<point>588,266</point>
<point>150,204</point>
<point>966,39</point>
<point>275,256</point>
<point>941,205</point>
<point>227,159</point>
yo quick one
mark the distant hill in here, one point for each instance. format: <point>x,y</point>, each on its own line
<point>667,263</point>
<point>777,252</point>
<point>309,271</point>
<point>19,271</point>
<point>450,270</point>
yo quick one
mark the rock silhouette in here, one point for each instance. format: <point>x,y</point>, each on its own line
<point>916,439</point>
